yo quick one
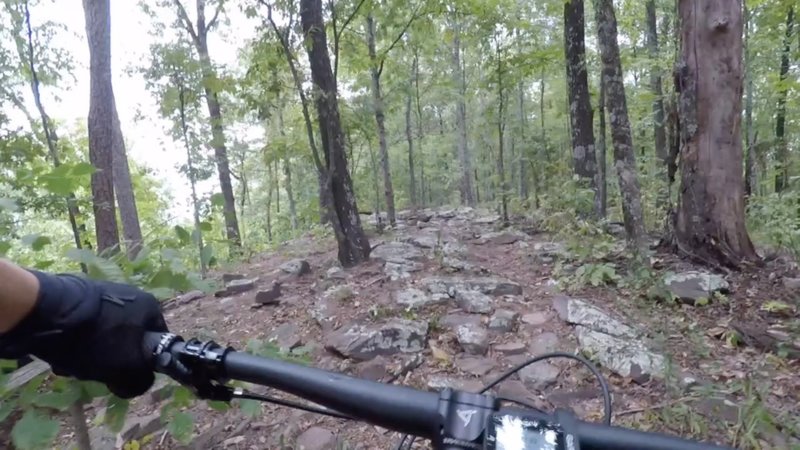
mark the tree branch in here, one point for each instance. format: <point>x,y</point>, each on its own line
<point>350,18</point>
<point>414,16</point>
<point>187,22</point>
<point>213,21</point>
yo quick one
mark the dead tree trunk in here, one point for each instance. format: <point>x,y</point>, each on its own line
<point>101,123</point>
<point>580,106</point>
<point>624,159</point>
<point>353,245</point>
<point>710,223</point>
<point>377,98</point>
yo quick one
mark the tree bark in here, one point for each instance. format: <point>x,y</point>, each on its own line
<point>523,157</point>
<point>352,242</point>
<point>624,159</point>
<point>580,105</point>
<point>287,173</point>
<point>412,182</point>
<point>123,187</point>
<point>192,176</point>
<point>782,172</point>
<point>659,132</point>
<point>501,171</point>
<point>466,188</point>
<point>601,151</point>
<point>750,173</point>
<point>200,39</point>
<point>420,127</point>
<point>101,123</point>
<point>377,99</point>
<point>710,223</point>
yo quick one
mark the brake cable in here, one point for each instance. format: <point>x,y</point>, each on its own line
<point>246,395</point>
<point>601,380</point>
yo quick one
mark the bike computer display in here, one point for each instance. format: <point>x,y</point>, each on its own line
<point>506,431</point>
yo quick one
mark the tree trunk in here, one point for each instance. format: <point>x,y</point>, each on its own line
<point>523,158</point>
<point>750,175</point>
<point>412,183</point>
<point>466,189</point>
<point>353,245</point>
<point>192,179</point>
<point>601,151</point>
<point>580,105</point>
<point>287,172</point>
<point>710,223</point>
<point>659,131</point>
<point>420,127</point>
<point>101,123</point>
<point>624,159</point>
<point>27,53</point>
<point>501,171</point>
<point>541,149</point>
<point>271,182</point>
<point>782,172</point>
<point>377,98</point>
<point>123,187</point>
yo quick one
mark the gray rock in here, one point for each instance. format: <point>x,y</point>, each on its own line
<point>374,369</point>
<point>540,375</point>
<point>189,297</point>
<point>452,264</point>
<point>792,284</point>
<point>324,311</point>
<point>477,366</point>
<point>139,427</point>
<point>629,358</point>
<point>579,312</point>
<point>536,318</point>
<point>474,302</point>
<point>506,237</point>
<point>694,285</point>
<point>511,348</point>
<point>340,293</point>
<point>473,339</point>
<point>412,298</point>
<point>286,337</point>
<point>453,321</point>
<point>454,249</point>
<point>425,240</point>
<point>503,320</point>
<point>550,251</point>
<point>240,286</point>
<point>544,343</point>
<point>445,214</point>
<point>516,390</point>
<point>486,285</point>
<point>365,341</point>
<point>487,220</point>
<point>335,273</point>
<point>270,297</point>
<point>296,267</point>
<point>228,277</point>
<point>401,270</point>
<point>397,252</point>
<point>437,383</point>
<point>316,438</point>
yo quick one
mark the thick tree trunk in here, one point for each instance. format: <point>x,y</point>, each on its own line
<point>601,151</point>
<point>580,105</point>
<point>466,189</point>
<point>123,187</point>
<point>750,173</point>
<point>710,224</point>
<point>377,99</point>
<point>659,131</point>
<point>624,159</point>
<point>353,245</point>
<point>412,182</point>
<point>782,172</point>
<point>101,123</point>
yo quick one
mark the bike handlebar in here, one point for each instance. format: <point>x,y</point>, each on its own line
<point>206,366</point>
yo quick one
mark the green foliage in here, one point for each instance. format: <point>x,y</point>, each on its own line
<point>34,431</point>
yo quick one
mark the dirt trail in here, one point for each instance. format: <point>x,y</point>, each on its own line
<point>443,294</point>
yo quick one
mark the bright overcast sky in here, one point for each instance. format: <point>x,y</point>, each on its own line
<point>147,139</point>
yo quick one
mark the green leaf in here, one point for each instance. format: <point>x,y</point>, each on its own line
<point>183,235</point>
<point>36,241</point>
<point>250,408</point>
<point>116,410</point>
<point>4,248</point>
<point>218,199</point>
<point>218,406</point>
<point>207,254</point>
<point>6,406</point>
<point>33,431</point>
<point>93,389</point>
<point>58,400</point>
<point>181,426</point>
<point>8,204</point>
<point>82,169</point>
<point>206,226</point>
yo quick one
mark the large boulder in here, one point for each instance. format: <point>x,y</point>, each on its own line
<point>428,239</point>
<point>398,252</point>
<point>412,298</point>
<point>474,302</point>
<point>296,267</point>
<point>366,341</point>
<point>400,270</point>
<point>503,320</point>
<point>692,286</point>
<point>506,237</point>
<point>548,252</point>
<point>474,339</point>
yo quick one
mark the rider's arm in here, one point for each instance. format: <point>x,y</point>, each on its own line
<point>18,291</point>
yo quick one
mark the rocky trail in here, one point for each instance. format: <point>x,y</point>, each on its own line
<point>452,299</point>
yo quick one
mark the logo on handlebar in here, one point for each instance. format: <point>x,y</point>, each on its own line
<point>466,415</point>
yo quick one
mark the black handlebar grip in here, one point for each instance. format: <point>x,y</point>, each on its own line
<point>594,436</point>
<point>150,344</point>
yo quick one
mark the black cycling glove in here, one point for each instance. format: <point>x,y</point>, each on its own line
<point>90,330</point>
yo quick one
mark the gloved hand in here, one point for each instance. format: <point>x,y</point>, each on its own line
<point>91,330</point>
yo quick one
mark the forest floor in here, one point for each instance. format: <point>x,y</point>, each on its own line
<point>433,269</point>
